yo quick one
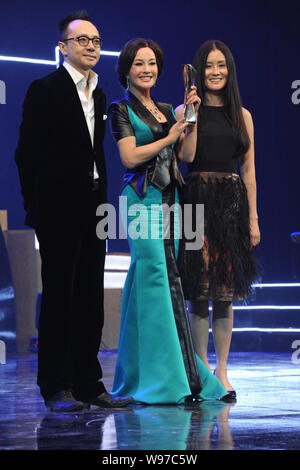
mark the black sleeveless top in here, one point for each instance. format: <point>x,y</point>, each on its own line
<point>217,142</point>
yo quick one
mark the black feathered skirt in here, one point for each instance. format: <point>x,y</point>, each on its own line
<point>224,268</point>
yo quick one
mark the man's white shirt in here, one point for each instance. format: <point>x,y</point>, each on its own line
<point>87,103</point>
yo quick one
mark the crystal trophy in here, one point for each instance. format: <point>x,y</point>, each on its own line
<point>189,80</point>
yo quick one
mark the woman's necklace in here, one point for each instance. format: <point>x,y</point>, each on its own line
<point>154,110</point>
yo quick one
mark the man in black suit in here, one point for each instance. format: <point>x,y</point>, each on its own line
<point>61,165</point>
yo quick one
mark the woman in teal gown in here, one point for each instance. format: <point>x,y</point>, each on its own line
<point>156,361</point>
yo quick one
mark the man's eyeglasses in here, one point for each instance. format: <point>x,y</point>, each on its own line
<point>85,40</point>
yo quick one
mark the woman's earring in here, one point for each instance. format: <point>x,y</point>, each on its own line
<point>127,88</point>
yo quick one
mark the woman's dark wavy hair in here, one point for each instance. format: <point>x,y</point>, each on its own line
<point>129,52</point>
<point>231,94</point>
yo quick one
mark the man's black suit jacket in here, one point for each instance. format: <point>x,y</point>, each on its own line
<point>55,156</point>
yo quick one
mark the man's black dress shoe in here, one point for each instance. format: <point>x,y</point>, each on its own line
<point>64,402</point>
<point>105,400</point>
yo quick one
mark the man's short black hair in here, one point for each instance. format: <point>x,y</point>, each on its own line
<point>64,23</point>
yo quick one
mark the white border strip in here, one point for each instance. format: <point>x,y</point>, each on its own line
<point>266,307</point>
<point>28,60</point>
<point>55,62</point>
<point>282,284</point>
<point>268,330</point>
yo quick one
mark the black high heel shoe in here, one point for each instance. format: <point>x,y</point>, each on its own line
<point>230,396</point>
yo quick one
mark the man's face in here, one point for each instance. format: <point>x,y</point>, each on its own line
<point>83,58</point>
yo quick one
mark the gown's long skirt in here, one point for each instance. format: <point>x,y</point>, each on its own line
<point>156,361</point>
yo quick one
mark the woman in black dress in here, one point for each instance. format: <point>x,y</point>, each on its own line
<point>223,270</point>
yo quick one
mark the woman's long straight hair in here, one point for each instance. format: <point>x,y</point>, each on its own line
<point>230,94</point>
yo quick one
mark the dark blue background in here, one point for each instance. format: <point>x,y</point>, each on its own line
<point>264,39</point>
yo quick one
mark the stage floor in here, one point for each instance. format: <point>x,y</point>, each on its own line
<point>266,415</point>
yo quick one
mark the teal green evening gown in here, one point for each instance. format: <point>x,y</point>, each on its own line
<point>151,363</point>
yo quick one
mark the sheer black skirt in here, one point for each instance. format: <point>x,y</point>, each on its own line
<point>224,268</point>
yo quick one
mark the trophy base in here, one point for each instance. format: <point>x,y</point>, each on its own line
<point>189,114</point>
